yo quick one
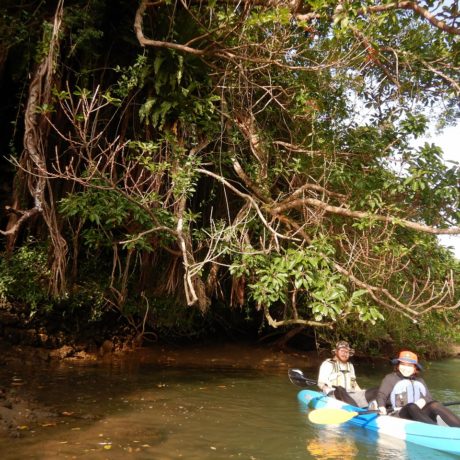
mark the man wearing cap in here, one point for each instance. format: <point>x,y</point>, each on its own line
<point>406,394</point>
<point>337,378</point>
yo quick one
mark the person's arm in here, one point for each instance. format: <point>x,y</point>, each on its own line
<point>325,376</point>
<point>384,392</point>
<point>426,398</point>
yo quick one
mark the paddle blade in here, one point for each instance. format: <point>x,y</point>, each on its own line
<point>297,377</point>
<point>331,416</point>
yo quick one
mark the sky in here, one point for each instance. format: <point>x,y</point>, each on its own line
<point>449,141</point>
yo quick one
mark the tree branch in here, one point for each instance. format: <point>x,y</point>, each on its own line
<point>364,215</point>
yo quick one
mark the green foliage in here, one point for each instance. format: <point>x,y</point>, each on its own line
<point>415,124</point>
<point>428,183</point>
<point>322,292</point>
<point>431,337</point>
<point>85,31</point>
<point>267,18</point>
<point>88,302</point>
<point>177,92</point>
<point>14,28</point>
<point>324,107</point>
<point>43,46</point>
<point>108,214</point>
<point>170,318</point>
<point>81,23</point>
<point>24,277</point>
<point>132,77</point>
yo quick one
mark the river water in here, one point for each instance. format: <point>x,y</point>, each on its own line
<point>140,410</point>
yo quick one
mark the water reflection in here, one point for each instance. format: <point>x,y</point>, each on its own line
<point>331,445</point>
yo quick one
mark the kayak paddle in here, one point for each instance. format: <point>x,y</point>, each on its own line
<point>330,415</point>
<point>451,403</point>
<point>297,377</point>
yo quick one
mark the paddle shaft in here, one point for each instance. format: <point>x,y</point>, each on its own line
<point>451,403</point>
<point>364,412</point>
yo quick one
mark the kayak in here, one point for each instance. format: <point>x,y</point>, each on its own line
<point>443,438</point>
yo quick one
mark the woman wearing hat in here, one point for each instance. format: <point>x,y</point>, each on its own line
<point>406,394</point>
<point>337,378</point>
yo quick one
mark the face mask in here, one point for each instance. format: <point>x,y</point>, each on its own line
<point>406,369</point>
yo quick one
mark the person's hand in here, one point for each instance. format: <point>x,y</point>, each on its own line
<point>382,410</point>
<point>326,390</point>
<point>420,403</point>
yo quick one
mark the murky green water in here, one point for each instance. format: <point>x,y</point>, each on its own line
<point>142,411</point>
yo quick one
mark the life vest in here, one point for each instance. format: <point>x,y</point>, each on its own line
<point>406,391</point>
<point>343,376</point>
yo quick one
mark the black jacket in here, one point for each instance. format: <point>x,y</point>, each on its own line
<point>389,382</point>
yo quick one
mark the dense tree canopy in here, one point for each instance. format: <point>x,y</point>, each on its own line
<point>252,154</point>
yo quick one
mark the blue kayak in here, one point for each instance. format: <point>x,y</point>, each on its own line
<point>443,438</point>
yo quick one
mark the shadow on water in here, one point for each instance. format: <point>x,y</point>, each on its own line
<point>128,409</point>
